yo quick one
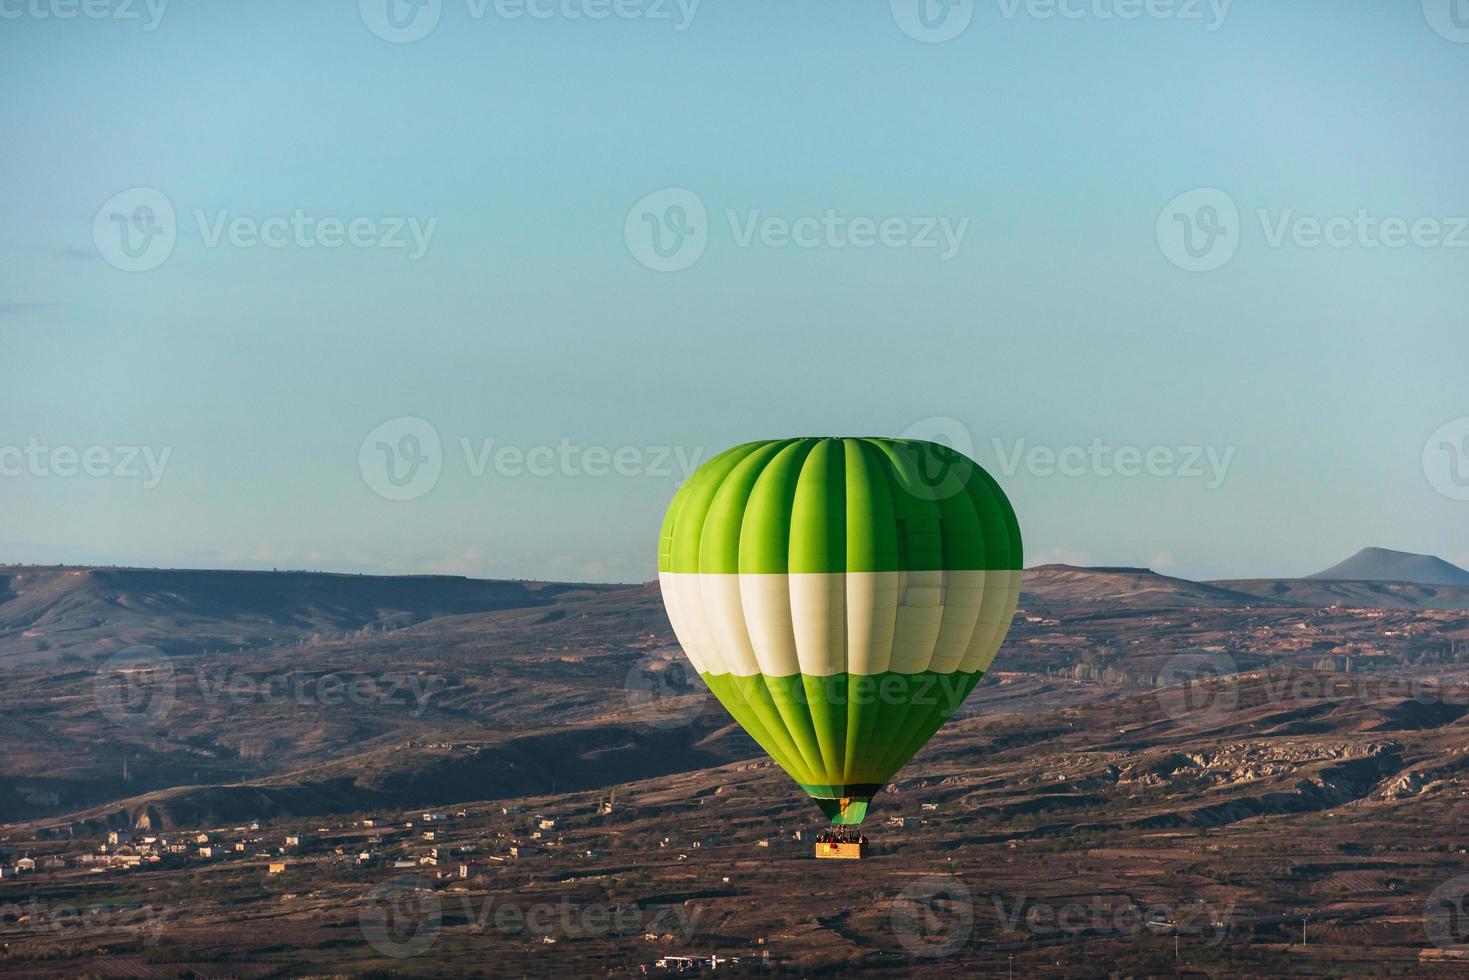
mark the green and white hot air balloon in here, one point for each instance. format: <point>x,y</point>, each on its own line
<point>840,597</point>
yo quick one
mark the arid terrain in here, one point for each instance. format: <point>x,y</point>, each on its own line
<point>287,774</point>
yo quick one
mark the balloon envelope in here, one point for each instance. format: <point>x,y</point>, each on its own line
<point>840,597</point>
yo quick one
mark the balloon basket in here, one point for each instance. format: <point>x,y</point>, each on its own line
<point>833,851</point>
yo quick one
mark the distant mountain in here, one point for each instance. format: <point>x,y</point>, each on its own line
<point>1384,565</point>
<point>459,689</point>
<point>1373,578</point>
<point>70,613</point>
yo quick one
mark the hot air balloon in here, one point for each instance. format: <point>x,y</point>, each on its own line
<point>840,597</point>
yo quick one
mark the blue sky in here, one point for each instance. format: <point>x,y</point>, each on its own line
<point>530,153</point>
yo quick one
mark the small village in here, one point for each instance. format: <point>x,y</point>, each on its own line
<point>577,859</point>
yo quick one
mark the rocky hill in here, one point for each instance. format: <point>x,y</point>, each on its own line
<point>1384,565</point>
